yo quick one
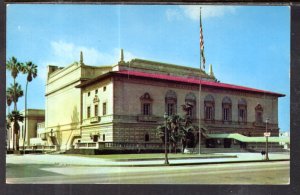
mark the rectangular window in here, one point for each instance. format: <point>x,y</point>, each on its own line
<point>170,108</point>
<point>96,110</point>
<point>208,113</point>
<point>88,112</point>
<point>103,137</point>
<point>96,91</point>
<point>146,109</point>
<point>242,116</point>
<point>226,114</point>
<point>89,93</point>
<point>104,108</point>
<point>104,88</point>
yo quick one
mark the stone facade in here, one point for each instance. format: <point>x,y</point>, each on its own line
<point>89,105</point>
<point>64,101</point>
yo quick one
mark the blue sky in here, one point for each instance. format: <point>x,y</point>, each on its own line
<point>247,45</point>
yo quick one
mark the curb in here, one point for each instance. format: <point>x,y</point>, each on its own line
<point>175,164</point>
<point>180,158</point>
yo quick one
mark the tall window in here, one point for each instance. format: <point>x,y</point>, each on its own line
<point>190,100</point>
<point>242,106</point>
<point>88,112</point>
<point>226,107</point>
<point>147,137</point>
<point>171,103</point>
<point>96,110</point>
<point>209,107</point>
<point>146,104</point>
<point>146,109</point>
<point>259,114</point>
<point>104,108</point>
<point>226,114</point>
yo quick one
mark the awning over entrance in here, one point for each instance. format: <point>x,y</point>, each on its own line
<point>243,138</point>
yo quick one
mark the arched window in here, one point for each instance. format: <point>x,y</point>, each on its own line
<point>259,114</point>
<point>147,137</point>
<point>226,108</point>
<point>190,99</point>
<point>171,103</point>
<point>146,104</point>
<point>209,107</point>
<point>242,106</point>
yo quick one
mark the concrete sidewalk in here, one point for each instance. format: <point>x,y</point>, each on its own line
<point>63,160</point>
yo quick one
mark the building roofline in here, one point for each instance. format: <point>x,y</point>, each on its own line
<point>94,80</point>
<point>65,68</point>
<point>180,80</point>
<point>167,64</point>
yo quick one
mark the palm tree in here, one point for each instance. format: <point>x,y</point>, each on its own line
<point>8,100</point>
<point>13,93</point>
<point>16,117</point>
<point>15,67</point>
<point>174,133</point>
<point>8,103</point>
<point>31,70</point>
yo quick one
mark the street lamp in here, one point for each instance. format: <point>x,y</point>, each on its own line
<point>166,151</point>
<point>267,136</point>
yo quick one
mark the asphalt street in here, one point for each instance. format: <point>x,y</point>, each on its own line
<point>261,173</point>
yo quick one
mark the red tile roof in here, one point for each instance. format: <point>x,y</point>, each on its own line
<point>195,81</point>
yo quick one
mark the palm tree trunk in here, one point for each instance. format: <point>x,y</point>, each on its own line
<point>25,115</point>
<point>17,141</point>
<point>15,108</point>
<point>8,133</point>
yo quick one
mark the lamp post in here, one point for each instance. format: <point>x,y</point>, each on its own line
<point>166,151</point>
<point>267,146</point>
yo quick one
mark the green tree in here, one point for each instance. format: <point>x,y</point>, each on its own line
<point>31,70</point>
<point>13,93</point>
<point>14,67</point>
<point>173,126</point>
<point>15,117</point>
<point>180,129</point>
<point>8,104</point>
<point>9,100</point>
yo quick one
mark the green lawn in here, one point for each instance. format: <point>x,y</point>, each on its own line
<point>148,156</point>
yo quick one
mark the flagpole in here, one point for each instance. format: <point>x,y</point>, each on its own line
<point>200,90</point>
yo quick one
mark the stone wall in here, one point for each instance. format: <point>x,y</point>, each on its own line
<point>64,101</point>
<point>127,103</point>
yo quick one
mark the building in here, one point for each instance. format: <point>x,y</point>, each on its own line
<point>33,118</point>
<point>89,106</point>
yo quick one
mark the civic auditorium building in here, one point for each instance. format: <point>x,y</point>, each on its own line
<point>98,106</point>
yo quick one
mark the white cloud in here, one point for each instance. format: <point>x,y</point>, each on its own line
<point>193,11</point>
<point>65,53</point>
<point>173,14</point>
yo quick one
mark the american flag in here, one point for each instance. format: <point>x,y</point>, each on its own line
<point>201,44</point>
